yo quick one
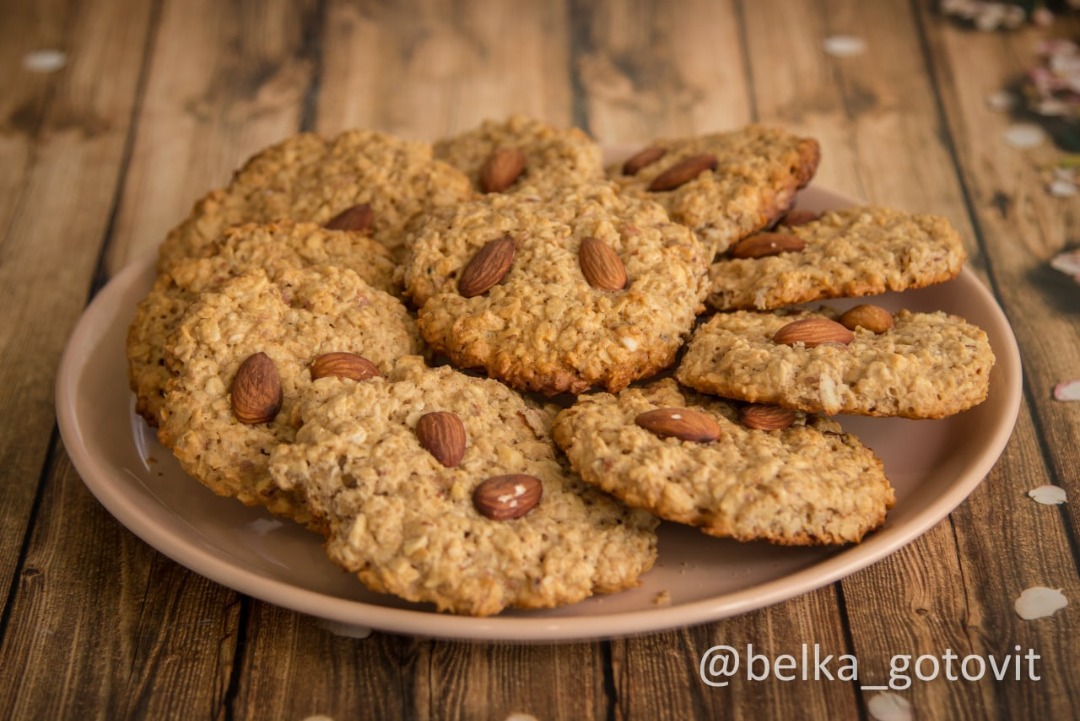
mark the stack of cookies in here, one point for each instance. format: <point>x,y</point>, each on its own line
<point>455,361</point>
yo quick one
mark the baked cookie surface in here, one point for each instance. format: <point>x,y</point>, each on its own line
<point>845,253</point>
<point>751,183</point>
<point>928,365</point>
<point>407,524</point>
<point>271,247</point>
<point>293,319</point>
<point>311,178</point>
<point>599,289</point>
<point>552,157</point>
<point>805,484</point>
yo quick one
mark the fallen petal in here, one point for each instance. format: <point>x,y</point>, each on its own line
<point>889,707</point>
<point>1067,390</point>
<point>1002,100</point>
<point>844,46</point>
<point>1062,188</point>
<point>44,61</point>
<point>1024,135</point>
<point>1039,602</point>
<point>1048,495</point>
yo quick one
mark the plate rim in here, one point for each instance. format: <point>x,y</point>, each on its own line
<point>97,475</point>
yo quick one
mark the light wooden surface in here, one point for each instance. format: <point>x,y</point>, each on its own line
<point>159,100</point>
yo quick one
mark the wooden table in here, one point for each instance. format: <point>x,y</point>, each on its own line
<point>159,100</point>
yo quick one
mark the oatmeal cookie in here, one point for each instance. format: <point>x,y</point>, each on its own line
<point>272,247</point>
<point>845,253</point>
<point>410,524</point>
<point>587,289</point>
<point>293,319</point>
<point>723,186</point>
<point>926,365</point>
<point>549,157</point>
<point>311,178</point>
<point>804,484</point>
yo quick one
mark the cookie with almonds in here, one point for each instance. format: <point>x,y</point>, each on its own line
<point>723,186</point>
<point>322,180</point>
<point>919,365</point>
<point>272,247</point>
<point>844,253</point>
<point>243,355</point>
<point>794,480</point>
<point>588,288</point>
<point>444,488</point>
<point>522,154</point>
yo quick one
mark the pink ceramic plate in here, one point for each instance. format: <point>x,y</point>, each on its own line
<point>933,464</point>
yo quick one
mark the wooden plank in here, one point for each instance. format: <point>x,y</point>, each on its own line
<point>659,676</point>
<point>225,81</point>
<point>1021,225</point>
<point>105,627</point>
<point>62,149</point>
<point>659,69</point>
<point>424,69</point>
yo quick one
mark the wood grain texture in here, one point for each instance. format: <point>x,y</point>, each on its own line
<point>62,148</point>
<point>108,627</point>
<point>424,69</point>
<point>160,101</point>
<point>225,80</point>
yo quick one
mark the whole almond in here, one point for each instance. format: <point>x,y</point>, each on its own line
<point>501,169</point>
<point>762,245</point>
<point>812,332</point>
<point>643,159</point>
<point>683,423</point>
<point>442,434</point>
<point>487,268</point>
<point>766,418</point>
<point>256,390</point>
<point>343,365</point>
<point>798,216</point>
<point>503,498</point>
<point>601,265</point>
<point>683,172</point>
<point>357,218</point>
<point>872,317</point>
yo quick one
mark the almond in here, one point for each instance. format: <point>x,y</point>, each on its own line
<point>442,434</point>
<point>872,317</point>
<point>812,332</point>
<point>501,169</point>
<point>503,498</point>
<point>600,265</point>
<point>798,216</point>
<point>683,172</point>
<point>487,268</point>
<point>761,245</point>
<point>343,365</point>
<point>683,423</point>
<point>256,390</point>
<point>642,159</point>
<point>766,418</point>
<point>357,218</point>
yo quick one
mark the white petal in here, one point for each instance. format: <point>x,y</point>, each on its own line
<point>1067,390</point>
<point>1048,495</point>
<point>1039,602</point>
<point>889,707</point>
<point>844,46</point>
<point>1001,100</point>
<point>1067,262</point>
<point>1024,135</point>
<point>44,61</point>
<point>1062,188</point>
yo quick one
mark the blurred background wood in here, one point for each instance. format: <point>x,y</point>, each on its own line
<point>159,101</point>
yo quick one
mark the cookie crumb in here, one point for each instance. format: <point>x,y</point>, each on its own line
<point>662,599</point>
